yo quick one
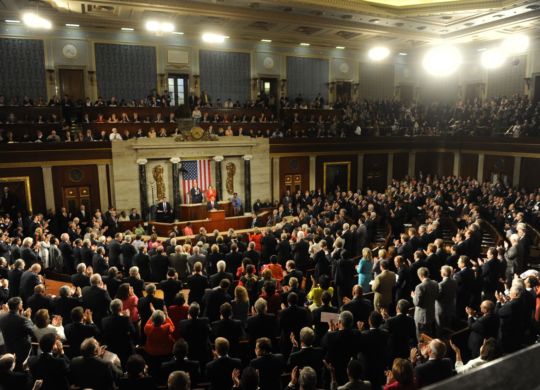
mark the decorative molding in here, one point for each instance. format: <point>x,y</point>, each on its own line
<point>142,161</point>
<point>175,160</point>
<point>218,158</point>
<point>247,157</point>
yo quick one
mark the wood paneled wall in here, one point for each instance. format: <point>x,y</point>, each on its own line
<point>37,190</point>
<point>400,167</point>
<point>375,171</point>
<point>500,165</point>
<point>469,165</point>
<point>64,176</point>
<point>294,166</point>
<point>441,163</point>
<point>529,175</point>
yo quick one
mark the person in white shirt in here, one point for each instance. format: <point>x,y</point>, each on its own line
<point>114,136</point>
<point>488,351</point>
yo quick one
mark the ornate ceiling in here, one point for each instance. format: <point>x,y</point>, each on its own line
<point>402,24</point>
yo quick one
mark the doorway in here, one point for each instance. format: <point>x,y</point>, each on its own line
<point>536,88</point>
<point>72,83</point>
<point>343,90</point>
<point>406,94</point>
<point>178,89</point>
<point>473,92</point>
<point>268,90</point>
<point>74,197</point>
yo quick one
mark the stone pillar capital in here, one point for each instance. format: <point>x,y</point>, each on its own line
<point>142,161</point>
<point>247,157</point>
<point>218,158</point>
<point>175,160</point>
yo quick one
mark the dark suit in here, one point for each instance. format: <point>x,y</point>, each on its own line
<point>14,278</point>
<point>261,325</point>
<point>159,265</point>
<point>128,253</point>
<point>433,371</point>
<point>230,329</point>
<point>39,301</point>
<point>145,312</point>
<point>137,284</point>
<point>170,288</point>
<point>270,368</point>
<point>17,331</point>
<point>99,264</point>
<point>340,347</point>
<point>164,211</point>
<point>197,284</point>
<point>197,334</point>
<point>374,350</point>
<point>511,328</point>
<point>67,256</point>
<point>301,255</point>
<point>195,195</point>
<point>62,306</point>
<point>481,328</point>
<point>52,370</point>
<point>142,261</point>
<point>321,327</point>
<point>219,372</point>
<point>233,261</point>
<point>465,283</point>
<point>192,367</point>
<point>292,319</point>
<point>212,300</point>
<point>118,335</point>
<point>218,277</point>
<point>76,333</point>
<point>80,280</point>
<point>402,336</point>
<point>360,309</point>
<point>97,300</point>
<point>308,357</point>
<point>29,280</point>
<point>93,372</point>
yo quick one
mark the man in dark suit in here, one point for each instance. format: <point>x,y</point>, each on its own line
<point>170,287</point>
<point>195,194</point>
<point>128,252</point>
<point>374,349</point>
<point>292,272</point>
<point>164,211</point>
<point>100,264</point>
<point>359,306</point>
<point>39,300</point>
<point>180,362</point>
<point>216,279</point>
<point>228,328</point>
<point>197,284</point>
<point>52,365</point>
<point>65,302</point>
<point>114,251</point>
<point>67,253</point>
<point>233,259</point>
<point>96,298</point>
<point>84,217</point>
<point>220,369</point>
<point>465,283</point>
<point>305,355</point>
<point>341,345</point>
<point>445,305</point>
<point>119,332</point>
<point>261,324</point>
<point>80,328</point>
<point>321,327</point>
<point>401,332</point>
<point>80,279</point>
<point>291,320</point>
<point>17,329</point>
<point>159,264</point>
<point>491,273</point>
<point>90,371</point>
<point>14,278</point>
<point>145,311</point>
<point>29,280</point>
<point>511,325</point>
<point>437,368</point>
<point>482,327</point>
<point>269,366</point>
<point>196,331</point>
<point>300,252</point>
<point>214,298</point>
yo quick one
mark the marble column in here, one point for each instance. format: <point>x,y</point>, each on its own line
<point>48,186</point>
<point>219,179</point>
<point>360,171</point>
<point>480,168</point>
<point>390,169</point>
<point>517,171</point>
<point>457,163</point>
<point>175,161</point>
<point>103,186</point>
<point>247,182</point>
<point>142,188</point>
<point>275,179</point>
<point>312,170</point>
<point>412,164</point>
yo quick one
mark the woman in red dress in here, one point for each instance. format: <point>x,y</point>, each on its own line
<point>210,194</point>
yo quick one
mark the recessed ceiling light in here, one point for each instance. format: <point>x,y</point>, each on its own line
<point>33,20</point>
<point>378,53</point>
<point>266,40</point>
<point>213,38</point>
<point>127,29</point>
<point>178,32</point>
<point>12,21</point>
<point>304,44</point>
<point>155,26</point>
<point>340,47</point>
<point>72,25</point>
<point>402,53</point>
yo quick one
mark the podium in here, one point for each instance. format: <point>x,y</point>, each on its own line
<point>216,215</point>
<point>198,211</point>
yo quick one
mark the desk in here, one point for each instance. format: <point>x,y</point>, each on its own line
<point>243,222</point>
<point>199,211</point>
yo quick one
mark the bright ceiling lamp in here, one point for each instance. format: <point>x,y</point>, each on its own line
<point>515,44</point>
<point>159,27</point>
<point>442,61</point>
<point>33,20</point>
<point>493,58</point>
<point>378,53</point>
<point>213,38</point>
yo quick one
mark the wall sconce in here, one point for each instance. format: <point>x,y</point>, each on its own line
<point>283,84</point>
<point>527,83</point>
<point>161,79</point>
<point>91,77</point>
<point>355,87</point>
<point>196,80</point>
<point>332,86</point>
<point>254,83</point>
<point>51,75</point>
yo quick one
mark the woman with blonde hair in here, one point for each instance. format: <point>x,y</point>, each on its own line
<point>240,304</point>
<point>365,270</point>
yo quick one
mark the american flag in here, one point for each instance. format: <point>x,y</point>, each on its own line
<point>195,171</point>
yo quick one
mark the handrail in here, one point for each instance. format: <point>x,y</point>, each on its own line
<point>499,239</point>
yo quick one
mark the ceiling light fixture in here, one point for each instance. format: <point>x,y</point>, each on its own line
<point>72,25</point>
<point>127,29</point>
<point>515,44</point>
<point>340,47</point>
<point>178,33</point>
<point>266,40</point>
<point>442,61</point>
<point>378,53</point>
<point>493,58</point>
<point>304,44</point>
<point>12,21</point>
<point>33,20</point>
<point>159,27</point>
<point>402,53</point>
<point>214,38</point>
